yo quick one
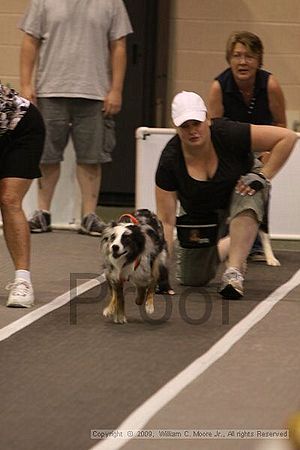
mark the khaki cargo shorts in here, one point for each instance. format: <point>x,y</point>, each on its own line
<point>256,203</point>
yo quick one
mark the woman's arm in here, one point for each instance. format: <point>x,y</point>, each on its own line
<point>113,100</point>
<point>166,203</point>
<point>215,101</point>
<point>276,102</point>
<point>279,141</point>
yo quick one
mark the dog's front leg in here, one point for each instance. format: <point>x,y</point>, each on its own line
<point>119,316</point>
<point>111,308</point>
<point>115,307</point>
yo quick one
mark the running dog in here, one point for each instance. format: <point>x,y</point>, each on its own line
<point>135,250</point>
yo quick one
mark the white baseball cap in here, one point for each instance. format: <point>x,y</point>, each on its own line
<point>188,106</point>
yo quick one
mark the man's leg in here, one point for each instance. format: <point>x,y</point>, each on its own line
<point>89,179</point>
<point>15,226</point>
<point>47,185</point>
<point>56,115</point>
<point>40,221</point>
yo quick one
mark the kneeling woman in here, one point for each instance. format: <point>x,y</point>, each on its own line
<point>208,169</point>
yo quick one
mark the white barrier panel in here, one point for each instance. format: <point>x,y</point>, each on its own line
<point>285,197</point>
<point>66,203</point>
<point>149,144</point>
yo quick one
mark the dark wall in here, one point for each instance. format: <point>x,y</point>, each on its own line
<point>143,77</point>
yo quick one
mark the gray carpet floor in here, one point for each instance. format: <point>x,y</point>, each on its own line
<point>72,370</point>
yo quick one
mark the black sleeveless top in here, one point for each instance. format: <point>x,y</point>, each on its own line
<point>235,108</point>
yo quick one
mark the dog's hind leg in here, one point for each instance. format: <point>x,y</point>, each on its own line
<point>265,237</point>
<point>266,243</point>
<point>140,295</point>
<point>149,305</point>
<point>163,284</point>
<point>111,307</point>
<point>119,316</point>
<point>148,294</point>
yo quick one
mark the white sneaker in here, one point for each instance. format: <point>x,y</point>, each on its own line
<point>20,295</point>
<point>232,284</point>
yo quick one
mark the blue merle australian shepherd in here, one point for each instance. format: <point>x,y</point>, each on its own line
<point>135,250</point>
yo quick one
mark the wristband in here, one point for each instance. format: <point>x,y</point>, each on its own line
<point>264,177</point>
<point>255,181</point>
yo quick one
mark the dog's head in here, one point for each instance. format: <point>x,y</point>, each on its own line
<point>122,241</point>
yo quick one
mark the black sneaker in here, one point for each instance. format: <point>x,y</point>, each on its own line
<point>40,222</point>
<point>91,224</point>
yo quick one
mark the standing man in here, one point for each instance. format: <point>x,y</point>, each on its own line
<point>78,49</point>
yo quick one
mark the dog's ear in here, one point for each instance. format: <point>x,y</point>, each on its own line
<point>105,229</point>
<point>144,212</point>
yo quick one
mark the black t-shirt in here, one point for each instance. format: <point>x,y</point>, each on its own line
<point>232,143</point>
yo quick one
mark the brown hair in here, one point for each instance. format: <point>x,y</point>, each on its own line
<point>252,43</point>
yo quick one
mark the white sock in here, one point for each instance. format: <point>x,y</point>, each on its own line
<point>24,274</point>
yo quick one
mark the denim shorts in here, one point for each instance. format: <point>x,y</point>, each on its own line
<point>82,119</point>
<point>21,148</point>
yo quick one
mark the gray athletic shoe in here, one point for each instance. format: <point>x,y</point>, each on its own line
<point>232,284</point>
<point>91,224</point>
<point>40,222</point>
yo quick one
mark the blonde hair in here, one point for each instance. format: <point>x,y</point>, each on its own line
<point>252,43</point>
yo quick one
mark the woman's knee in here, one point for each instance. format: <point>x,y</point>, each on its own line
<point>12,192</point>
<point>10,200</point>
<point>251,213</point>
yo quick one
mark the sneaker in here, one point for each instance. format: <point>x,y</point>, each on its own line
<point>257,257</point>
<point>91,225</point>
<point>20,295</point>
<point>232,284</point>
<point>40,222</point>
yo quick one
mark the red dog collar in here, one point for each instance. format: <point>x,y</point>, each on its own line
<point>129,216</point>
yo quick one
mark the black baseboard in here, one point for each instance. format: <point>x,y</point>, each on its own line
<point>116,199</point>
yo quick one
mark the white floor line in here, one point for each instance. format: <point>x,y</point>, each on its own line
<point>139,418</point>
<point>35,315</point>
